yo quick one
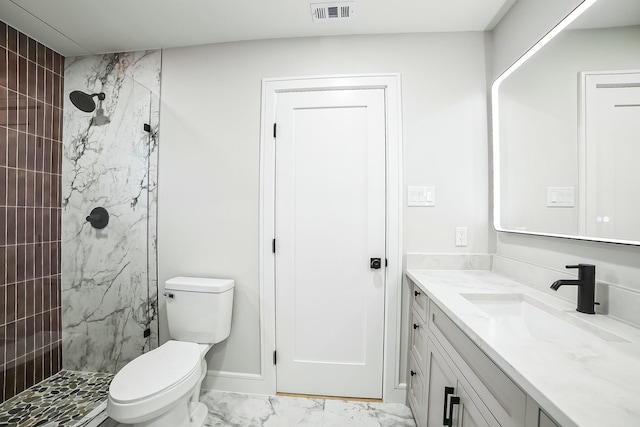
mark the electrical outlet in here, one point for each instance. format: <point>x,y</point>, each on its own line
<point>461,236</point>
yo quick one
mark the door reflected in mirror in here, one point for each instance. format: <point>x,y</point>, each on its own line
<point>567,131</point>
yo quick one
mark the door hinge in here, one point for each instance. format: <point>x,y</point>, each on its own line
<point>147,127</point>
<point>275,357</point>
<point>273,246</point>
<point>146,333</point>
<point>274,130</point>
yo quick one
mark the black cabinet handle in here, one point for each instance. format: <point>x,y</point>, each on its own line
<point>415,326</point>
<point>375,263</point>
<point>416,293</point>
<point>413,373</point>
<point>455,400</point>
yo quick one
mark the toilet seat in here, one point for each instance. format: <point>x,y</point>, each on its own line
<point>154,380</point>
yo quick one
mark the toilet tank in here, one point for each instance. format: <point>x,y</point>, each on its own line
<point>199,309</point>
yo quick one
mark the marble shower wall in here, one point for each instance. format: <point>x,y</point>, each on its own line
<point>109,276</point>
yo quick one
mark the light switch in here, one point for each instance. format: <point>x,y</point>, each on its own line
<point>421,196</point>
<point>561,197</point>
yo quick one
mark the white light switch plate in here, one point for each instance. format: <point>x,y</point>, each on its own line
<point>421,196</point>
<point>561,197</point>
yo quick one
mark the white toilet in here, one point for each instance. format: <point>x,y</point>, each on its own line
<point>161,388</point>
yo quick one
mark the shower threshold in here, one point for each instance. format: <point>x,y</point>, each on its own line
<point>66,399</point>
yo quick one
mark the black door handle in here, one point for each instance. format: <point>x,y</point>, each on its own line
<point>375,263</point>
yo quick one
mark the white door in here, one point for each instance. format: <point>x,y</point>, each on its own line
<point>613,148</point>
<point>329,223</point>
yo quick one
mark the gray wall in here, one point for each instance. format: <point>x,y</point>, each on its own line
<point>209,161</point>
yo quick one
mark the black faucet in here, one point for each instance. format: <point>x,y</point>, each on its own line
<point>586,287</point>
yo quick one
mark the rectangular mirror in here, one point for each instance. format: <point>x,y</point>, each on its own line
<point>566,129</point>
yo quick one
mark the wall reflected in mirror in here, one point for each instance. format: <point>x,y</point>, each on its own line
<point>569,131</point>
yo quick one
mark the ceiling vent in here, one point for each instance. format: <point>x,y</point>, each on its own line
<point>332,11</point>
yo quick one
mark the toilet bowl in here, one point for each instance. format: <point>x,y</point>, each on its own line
<point>156,381</point>
<point>161,388</point>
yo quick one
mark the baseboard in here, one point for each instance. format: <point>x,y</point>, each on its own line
<point>236,382</point>
<point>397,395</point>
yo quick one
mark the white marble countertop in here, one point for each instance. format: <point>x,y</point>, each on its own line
<point>578,382</point>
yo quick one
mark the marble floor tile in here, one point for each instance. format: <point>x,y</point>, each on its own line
<point>295,411</point>
<point>236,410</point>
<point>246,410</point>
<point>230,409</point>
<point>341,413</point>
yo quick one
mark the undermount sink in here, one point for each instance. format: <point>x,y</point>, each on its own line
<point>528,318</point>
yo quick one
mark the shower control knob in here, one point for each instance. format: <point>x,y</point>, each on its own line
<point>99,218</point>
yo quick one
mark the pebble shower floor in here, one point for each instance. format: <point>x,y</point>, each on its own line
<point>62,400</point>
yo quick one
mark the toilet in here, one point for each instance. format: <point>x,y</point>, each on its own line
<point>161,388</point>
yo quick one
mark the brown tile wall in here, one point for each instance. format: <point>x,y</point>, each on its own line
<point>31,85</point>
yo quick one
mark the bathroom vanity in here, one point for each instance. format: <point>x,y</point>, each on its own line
<point>486,350</point>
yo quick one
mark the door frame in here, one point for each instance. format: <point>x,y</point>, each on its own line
<point>394,387</point>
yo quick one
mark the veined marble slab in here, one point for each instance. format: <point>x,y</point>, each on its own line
<point>246,410</point>
<point>426,261</point>
<point>233,409</point>
<point>578,382</point>
<point>109,278</point>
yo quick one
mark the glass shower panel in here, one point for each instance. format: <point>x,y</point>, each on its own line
<point>152,222</point>
<point>108,293</point>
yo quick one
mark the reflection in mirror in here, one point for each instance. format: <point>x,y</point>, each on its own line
<point>567,130</point>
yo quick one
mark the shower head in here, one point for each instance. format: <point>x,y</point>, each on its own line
<point>84,101</point>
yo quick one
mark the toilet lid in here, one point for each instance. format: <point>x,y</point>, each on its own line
<point>156,371</point>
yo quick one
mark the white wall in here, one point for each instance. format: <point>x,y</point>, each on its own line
<point>209,171</point>
<point>617,264</point>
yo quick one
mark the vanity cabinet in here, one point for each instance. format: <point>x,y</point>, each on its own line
<point>454,383</point>
<point>448,402</point>
<point>416,392</point>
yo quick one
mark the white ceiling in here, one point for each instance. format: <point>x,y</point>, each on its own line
<point>81,27</point>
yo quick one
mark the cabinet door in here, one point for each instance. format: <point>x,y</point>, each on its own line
<point>545,421</point>
<point>439,376</point>
<point>468,414</point>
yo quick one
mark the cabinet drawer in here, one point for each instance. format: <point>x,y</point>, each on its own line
<point>419,301</point>
<point>500,394</point>
<point>415,392</point>
<point>418,331</point>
